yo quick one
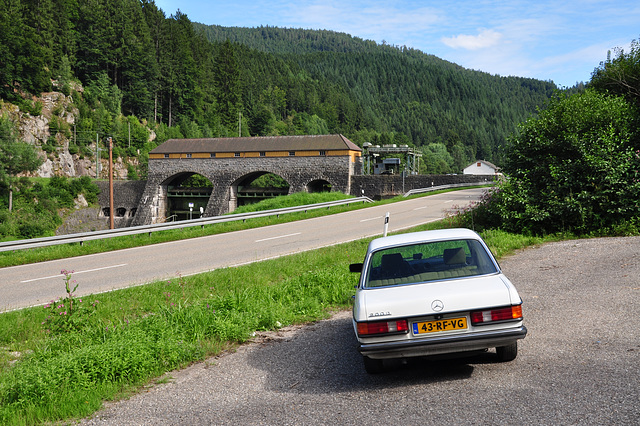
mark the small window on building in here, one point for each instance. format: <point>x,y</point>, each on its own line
<point>166,156</point>
<point>323,153</point>
<point>479,164</point>
<point>189,155</point>
<point>237,154</point>
<point>263,154</point>
<point>292,153</point>
<point>212,155</point>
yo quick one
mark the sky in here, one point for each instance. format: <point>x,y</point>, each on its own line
<point>559,41</point>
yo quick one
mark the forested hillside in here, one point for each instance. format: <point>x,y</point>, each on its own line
<point>128,65</point>
<point>405,90</point>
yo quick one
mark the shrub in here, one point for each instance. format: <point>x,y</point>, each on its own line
<point>571,169</point>
<point>73,149</point>
<point>31,230</point>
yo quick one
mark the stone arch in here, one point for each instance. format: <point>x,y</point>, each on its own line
<point>319,185</point>
<point>302,173</point>
<point>241,192</point>
<point>185,201</point>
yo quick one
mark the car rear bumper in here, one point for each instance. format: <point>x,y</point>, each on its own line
<point>443,344</point>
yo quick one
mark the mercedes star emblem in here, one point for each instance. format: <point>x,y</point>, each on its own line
<point>437,305</point>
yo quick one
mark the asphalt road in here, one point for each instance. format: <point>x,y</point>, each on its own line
<point>579,364</point>
<point>36,284</point>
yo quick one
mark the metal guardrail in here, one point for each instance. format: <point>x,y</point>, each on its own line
<point>441,187</point>
<point>148,229</point>
<point>143,229</point>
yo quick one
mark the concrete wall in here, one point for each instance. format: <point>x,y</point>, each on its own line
<point>378,187</point>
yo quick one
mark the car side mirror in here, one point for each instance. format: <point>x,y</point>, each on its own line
<point>355,267</point>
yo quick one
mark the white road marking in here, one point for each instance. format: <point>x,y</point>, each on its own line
<point>275,238</point>
<point>372,218</point>
<point>420,208</point>
<point>75,273</point>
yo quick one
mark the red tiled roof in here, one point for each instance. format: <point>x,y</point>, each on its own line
<point>255,144</point>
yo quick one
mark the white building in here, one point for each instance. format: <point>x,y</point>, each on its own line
<point>481,167</point>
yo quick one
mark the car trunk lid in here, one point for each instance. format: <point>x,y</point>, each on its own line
<point>454,295</point>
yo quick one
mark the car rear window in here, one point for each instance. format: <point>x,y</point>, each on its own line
<point>432,261</point>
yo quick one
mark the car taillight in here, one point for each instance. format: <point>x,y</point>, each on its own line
<point>382,327</point>
<point>493,315</point>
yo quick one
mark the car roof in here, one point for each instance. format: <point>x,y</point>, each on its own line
<point>423,237</point>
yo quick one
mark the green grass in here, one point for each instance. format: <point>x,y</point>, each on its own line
<point>133,336</point>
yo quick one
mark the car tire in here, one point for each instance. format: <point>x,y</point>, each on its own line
<point>373,366</point>
<point>507,353</point>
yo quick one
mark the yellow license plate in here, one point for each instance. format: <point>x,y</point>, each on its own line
<point>439,325</point>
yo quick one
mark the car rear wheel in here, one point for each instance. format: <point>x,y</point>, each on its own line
<point>373,366</point>
<point>507,353</point>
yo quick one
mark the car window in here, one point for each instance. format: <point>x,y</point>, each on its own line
<point>423,262</point>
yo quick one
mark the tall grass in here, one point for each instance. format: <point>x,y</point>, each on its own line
<point>137,334</point>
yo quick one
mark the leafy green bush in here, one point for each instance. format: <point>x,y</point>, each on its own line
<point>31,230</point>
<point>73,149</point>
<point>31,107</point>
<point>36,206</point>
<point>574,168</point>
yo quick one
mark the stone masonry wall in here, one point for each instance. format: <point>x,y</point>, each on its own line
<point>126,198</point>
<point>379,187</point>
<point>128,194</point>
<point>226,173</point>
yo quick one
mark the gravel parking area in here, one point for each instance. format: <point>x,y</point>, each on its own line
<point>579,364</point>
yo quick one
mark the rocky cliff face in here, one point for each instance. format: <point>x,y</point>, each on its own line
<point>34,129</point>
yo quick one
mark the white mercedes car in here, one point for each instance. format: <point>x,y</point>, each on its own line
<point>432,293</point>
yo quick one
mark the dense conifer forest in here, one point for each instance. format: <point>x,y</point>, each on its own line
<point>129,64</point>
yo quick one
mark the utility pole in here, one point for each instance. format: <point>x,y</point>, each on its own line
<point>97,158</point>
<point>111,222</point>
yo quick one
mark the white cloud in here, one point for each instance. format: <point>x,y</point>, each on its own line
<point>486,38</point>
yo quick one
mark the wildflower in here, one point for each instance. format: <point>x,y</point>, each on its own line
<point>61,305</point>
<point>80,300</point>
